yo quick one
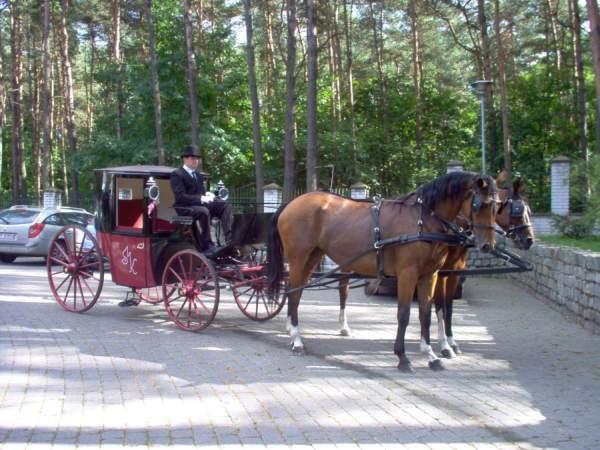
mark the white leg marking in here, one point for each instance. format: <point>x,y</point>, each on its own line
<point>442,339</point>
<point>296,343</point>
<point>431,356</point>
<point>343,321</point>
<point>288,324</point>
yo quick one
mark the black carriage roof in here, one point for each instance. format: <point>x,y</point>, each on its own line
<point>139,170</point>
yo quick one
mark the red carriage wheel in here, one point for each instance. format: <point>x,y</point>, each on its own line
<point>75,269</point>
<point>253,296</point>
<point>190,290</point>
<point>152,295</point>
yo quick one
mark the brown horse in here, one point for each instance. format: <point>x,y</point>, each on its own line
<point>418,228</point>
<point>514,218</point>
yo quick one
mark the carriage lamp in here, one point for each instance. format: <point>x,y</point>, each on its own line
<point>359,191</point>
<point>222,192</point>
<point>152,190</point>
<point>480,88</point>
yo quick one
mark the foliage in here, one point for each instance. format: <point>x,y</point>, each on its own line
<point>585,243</point>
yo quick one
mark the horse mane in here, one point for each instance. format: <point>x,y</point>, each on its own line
<point>450,186</point>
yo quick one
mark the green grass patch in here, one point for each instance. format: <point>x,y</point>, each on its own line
<point>586,243</point>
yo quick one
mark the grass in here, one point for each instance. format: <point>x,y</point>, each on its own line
<point>586,243</point>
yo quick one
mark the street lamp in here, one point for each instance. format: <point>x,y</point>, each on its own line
<point>480,88</point>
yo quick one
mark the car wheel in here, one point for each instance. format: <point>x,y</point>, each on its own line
<point>7,258</point>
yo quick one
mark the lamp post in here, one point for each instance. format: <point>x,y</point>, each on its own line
<point>480,87</point>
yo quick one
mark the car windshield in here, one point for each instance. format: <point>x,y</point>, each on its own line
<point>18,216</point>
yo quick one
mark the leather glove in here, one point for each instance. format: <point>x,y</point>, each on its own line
<point>207,198</point>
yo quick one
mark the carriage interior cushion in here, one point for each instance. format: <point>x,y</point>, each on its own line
<point>130,204</point>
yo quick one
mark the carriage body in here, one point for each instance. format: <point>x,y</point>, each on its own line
<point>134,226</point>
<point>151,249</point>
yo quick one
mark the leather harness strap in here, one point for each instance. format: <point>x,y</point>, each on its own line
<point>459,238</point>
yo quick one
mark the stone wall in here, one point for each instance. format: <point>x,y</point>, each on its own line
<point>565,277</point>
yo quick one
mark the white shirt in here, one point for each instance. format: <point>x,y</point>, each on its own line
<point>190,171</point>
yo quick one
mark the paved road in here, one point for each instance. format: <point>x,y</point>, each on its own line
<point>528,378</point>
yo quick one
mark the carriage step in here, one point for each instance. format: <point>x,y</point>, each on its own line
<point>182,220</point>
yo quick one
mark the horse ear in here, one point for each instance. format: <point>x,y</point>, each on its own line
<point>482,183</point>
<point>519,186</point>
<point>502,177</point>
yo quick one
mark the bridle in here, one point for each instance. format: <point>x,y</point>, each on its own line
<point>518,208</point>
<point>476,204</point>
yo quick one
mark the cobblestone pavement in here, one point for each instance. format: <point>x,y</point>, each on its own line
<point>112,377</point>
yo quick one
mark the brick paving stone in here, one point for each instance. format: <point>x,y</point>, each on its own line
<point>125,376</point>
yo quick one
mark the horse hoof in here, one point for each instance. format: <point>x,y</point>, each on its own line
<point>436,365</point>
<point>298,350</point>
<point>448,353</point>
<point>344,332</point>
<point>405,367</point>
<point>457,350</point>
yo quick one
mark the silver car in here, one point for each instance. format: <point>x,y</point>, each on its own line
<point>29,230</point>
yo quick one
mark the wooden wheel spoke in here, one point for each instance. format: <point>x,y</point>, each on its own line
<point>78,281</point>
<point>87,286</point>
<point>63,281</point>
<point>172,271</point>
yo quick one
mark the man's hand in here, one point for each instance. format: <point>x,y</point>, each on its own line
<point>207,198</point>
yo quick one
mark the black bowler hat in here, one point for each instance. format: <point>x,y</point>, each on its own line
<point>190,150</point>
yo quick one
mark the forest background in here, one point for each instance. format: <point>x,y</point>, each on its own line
<point>378,89</point>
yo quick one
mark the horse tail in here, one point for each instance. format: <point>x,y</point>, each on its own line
<point>274,266</point>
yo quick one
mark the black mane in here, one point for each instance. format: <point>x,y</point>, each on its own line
<point>448,187</point>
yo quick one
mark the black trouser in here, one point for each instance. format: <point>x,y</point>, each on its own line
<point>201,215</point>
<point>223,211</point>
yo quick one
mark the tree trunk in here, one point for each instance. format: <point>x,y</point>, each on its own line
<point>69,102</point>
<point>487,74</point>
<point>271,97</point>
<point>579,81</point>
<point>2,103</point>
<point>90,83</point>
<point>311,98</point>
<point>46,112</point>
<point>256,134</point>
<point>160,151</point>
<point>34,81</point>
<point>592,6</point>
<point>500,63</point>
<point>417,81</point>
<point>377,26</point>
<point>349,68</point>
<point>116,54</point>
<point>17,166</point>
<point>191,60</point>
<point>289,175</point>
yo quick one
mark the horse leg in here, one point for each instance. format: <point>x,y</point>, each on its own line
<point>451,286</point>
<point>425,291</point>
<point>343,289</point>
<point>406,289</point>
<point>441,310</point>
<point>299,274</point>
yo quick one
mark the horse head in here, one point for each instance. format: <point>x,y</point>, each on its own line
<point>480,208</point>
<point>514,213</point>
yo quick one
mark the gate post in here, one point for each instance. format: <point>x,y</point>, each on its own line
<point>52,198</point>
<point>455,166</point>
<point>559,197</point>
<point>271,197</point>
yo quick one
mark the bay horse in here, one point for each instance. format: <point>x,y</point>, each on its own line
<point>418,228</point>
<point>514,218</point>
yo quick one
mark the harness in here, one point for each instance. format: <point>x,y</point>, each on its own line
<point>517,211</point>
<point>460,237</point>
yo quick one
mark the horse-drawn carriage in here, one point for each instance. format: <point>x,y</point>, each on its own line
<point>148,247</point>
<point>414,239</point>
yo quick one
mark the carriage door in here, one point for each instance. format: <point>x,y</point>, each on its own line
<point>130,249</point>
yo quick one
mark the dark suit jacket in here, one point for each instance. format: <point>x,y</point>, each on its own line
<point>187,191</point>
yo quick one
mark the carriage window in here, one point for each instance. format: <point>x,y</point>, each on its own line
<point>130,204</point>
